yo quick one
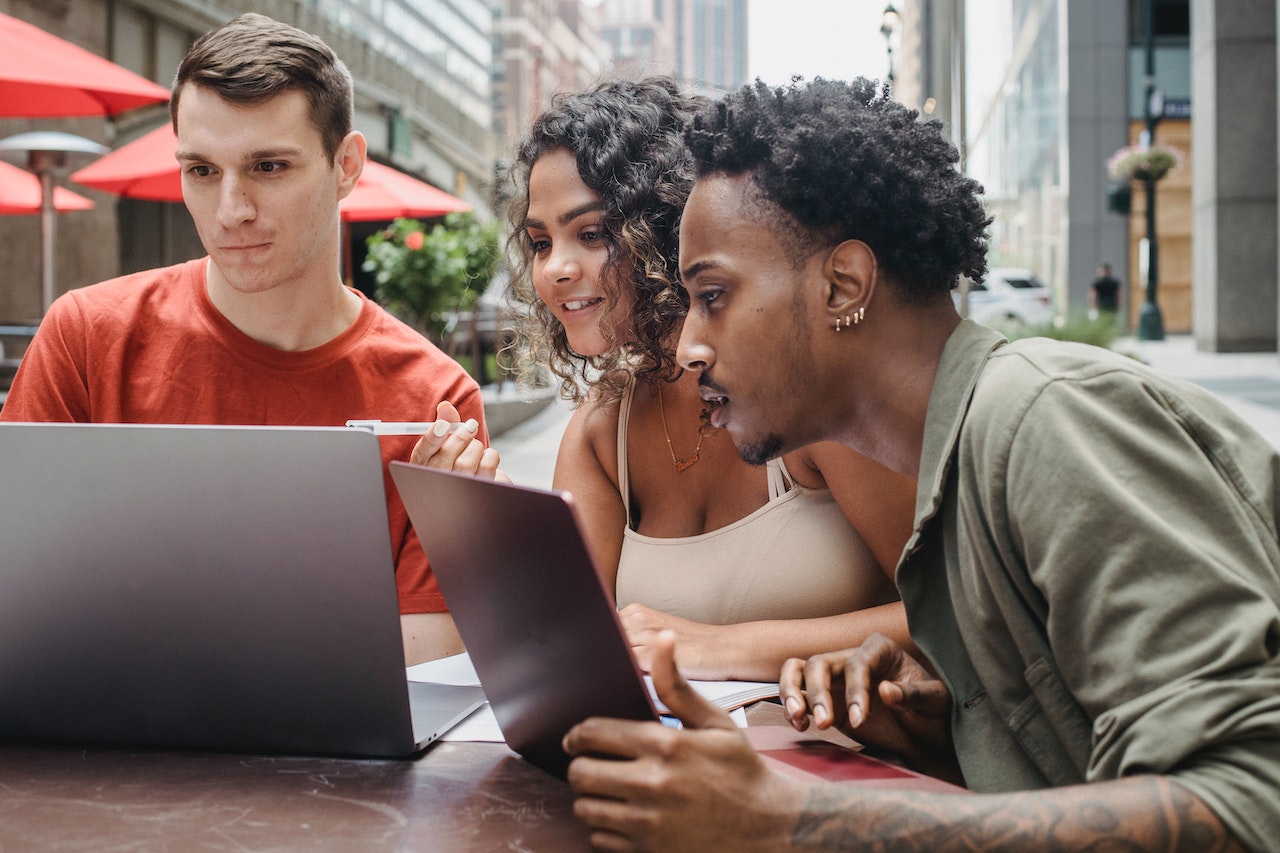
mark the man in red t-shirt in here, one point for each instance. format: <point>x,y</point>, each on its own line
<point>262,330</point>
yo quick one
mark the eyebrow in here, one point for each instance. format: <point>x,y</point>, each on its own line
<point>261,154</point>
<point>568,216</point>
<point>695,269</point>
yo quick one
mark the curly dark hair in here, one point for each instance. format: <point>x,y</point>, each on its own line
<point>843,161</point>
<point>628,140</point>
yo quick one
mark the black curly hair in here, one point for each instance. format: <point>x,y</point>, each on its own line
<point>843,161</point>
<point>628,140</point>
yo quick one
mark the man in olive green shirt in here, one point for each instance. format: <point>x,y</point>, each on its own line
<point>1093,579</point>
<point>1109,539</point>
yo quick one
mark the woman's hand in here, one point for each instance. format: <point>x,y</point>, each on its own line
<point>701,650</point>
<point>459,450</point>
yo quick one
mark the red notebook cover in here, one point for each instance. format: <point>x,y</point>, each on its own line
<point>803,756</point>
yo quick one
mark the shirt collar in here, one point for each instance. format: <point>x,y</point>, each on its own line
<point>963,358</point>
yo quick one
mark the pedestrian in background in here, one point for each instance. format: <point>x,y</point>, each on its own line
<point>1104,293</point>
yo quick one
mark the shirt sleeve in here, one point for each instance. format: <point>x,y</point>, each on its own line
<point>470,404</point>
<point>51,383</point>
<point>1146,515</point>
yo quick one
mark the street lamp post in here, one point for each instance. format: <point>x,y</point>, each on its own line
<point>1150,323</point>
<point>47,153</point>
<point>888,26</point>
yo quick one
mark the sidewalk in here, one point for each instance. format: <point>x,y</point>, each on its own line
<point>1247,382</point>
<point>529,448</point>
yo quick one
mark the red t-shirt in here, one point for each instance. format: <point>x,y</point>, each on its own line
<point>151,348</point>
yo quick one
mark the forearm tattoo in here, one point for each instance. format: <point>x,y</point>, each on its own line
<point>1138,814</point>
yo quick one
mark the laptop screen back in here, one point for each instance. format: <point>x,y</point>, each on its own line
<point>541,629</point>
<point>227,587</point>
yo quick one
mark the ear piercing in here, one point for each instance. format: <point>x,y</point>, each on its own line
<point>852,321</point>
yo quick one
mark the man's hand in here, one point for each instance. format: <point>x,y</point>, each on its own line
<point>698,644</point>
<point>877,694</point>
<point>700,788</point>
<point>458,451</point>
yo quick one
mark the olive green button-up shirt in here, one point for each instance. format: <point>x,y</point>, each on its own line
<point>1094,572</point>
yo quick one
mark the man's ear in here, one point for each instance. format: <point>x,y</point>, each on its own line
<point>851,280</point>
<point>350,160</point>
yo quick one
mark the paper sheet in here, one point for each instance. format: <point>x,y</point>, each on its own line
<point>456,669</point>
<point>481,726</point>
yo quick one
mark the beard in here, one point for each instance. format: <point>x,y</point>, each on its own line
<point>760,452</point>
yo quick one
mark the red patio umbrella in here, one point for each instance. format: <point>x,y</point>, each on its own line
<point>20,193</point>
<point>43,76</point>
<point>146,169</point>
<point>387,193</point>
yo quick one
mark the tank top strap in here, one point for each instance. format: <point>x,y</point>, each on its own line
<point>780,480</point>
<point>624,415</point>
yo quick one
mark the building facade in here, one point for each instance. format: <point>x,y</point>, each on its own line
<point>711,44</point>
<point>642,35</point>
<point>540,47</point>
<point>929,62</point>
<point>701,42</point>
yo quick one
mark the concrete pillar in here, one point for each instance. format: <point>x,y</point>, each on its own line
<point>1096,126</point>
<point>1234,176</point>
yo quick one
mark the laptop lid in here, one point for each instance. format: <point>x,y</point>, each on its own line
<point>204,586</point>
<point>540,626</point>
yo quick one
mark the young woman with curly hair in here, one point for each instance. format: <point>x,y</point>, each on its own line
<point>748,564</point>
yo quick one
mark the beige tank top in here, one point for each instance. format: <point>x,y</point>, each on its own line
<point>795,557</point>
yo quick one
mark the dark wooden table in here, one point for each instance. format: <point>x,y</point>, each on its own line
<point>454,797</point>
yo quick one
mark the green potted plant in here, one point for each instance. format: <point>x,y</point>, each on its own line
<point>425,275</point>
<point>1143,163</point>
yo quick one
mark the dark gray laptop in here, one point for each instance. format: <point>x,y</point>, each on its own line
<point>537,620</point>
<point>203,586</point>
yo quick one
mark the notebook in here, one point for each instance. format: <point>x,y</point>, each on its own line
<point>540,626</point>
<point>205,586</point>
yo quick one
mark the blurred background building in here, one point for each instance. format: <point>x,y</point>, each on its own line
<point>1036,94</point>
<point>1053,88</point>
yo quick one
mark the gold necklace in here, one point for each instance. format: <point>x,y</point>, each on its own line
<point>680,464</point>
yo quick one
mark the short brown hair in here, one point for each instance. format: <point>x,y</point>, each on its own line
<point>254,58</point>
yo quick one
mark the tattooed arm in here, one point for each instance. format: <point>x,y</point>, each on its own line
<point>1138,813</point>
<point>703,787</point>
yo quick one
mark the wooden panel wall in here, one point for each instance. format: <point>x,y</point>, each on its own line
<point>1173,233</point>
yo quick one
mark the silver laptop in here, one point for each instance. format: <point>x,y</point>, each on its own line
<point>205,586</point>
<point>540,626</point>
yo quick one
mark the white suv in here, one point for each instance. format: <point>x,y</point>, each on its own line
<point>1009,298</point>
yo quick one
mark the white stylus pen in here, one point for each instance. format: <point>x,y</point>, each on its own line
<point>399,427</point>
